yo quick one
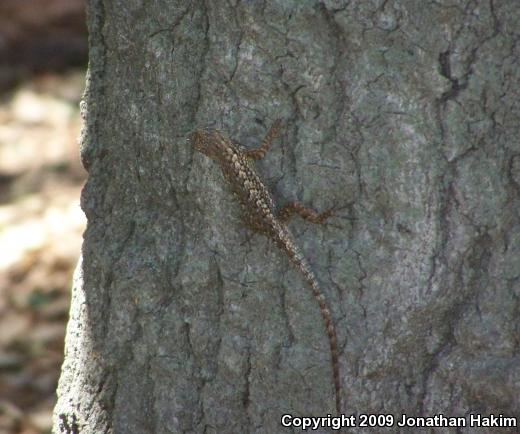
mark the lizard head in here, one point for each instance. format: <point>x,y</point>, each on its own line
<point>210,142</point>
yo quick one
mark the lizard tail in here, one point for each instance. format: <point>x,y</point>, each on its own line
<point>331,332</point>
<point>301,264</point>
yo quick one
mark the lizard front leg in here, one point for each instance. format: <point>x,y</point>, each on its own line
<point>272,134</point>
<point>291,208</point>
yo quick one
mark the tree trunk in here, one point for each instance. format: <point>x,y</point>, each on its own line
<point>402,114</point>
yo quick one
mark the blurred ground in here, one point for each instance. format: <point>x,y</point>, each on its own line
<point>40,35</point>
<point>40,219</point>
<point>40,237</point>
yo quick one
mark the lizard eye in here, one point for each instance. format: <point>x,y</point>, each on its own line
<point>198,140</point>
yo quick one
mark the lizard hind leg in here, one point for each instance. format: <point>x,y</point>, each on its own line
<point>272,134</point>
<point>291,208</point>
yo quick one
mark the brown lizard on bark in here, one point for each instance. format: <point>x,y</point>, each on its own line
<point>237,165</point>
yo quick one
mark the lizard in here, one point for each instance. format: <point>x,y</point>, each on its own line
<point>259,213</point>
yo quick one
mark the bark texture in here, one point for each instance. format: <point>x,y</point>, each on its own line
<point>402,113</point>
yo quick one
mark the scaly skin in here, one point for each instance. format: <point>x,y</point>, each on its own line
<point>237,165</point>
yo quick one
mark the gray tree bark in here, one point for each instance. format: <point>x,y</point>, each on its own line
<point>404,114</point>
